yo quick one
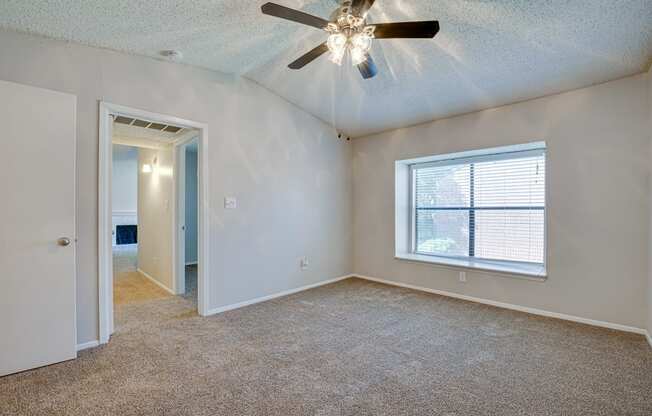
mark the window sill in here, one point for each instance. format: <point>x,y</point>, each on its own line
<point>522,271</point>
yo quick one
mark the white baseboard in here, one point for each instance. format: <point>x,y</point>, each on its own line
<point>87,345</point>
<point>525,309</point>
<point>127,213</point>
<point>156,282</point>
<point>276,295</point>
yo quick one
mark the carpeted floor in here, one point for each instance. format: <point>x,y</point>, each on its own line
<point>350,348</point>
<point>125,258</point>
<point>133,287</point>
<point>130,286</point>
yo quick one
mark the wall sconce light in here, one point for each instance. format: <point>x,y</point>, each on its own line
<point>147,168</point>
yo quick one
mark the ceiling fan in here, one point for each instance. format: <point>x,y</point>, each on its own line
<point>349,33</point>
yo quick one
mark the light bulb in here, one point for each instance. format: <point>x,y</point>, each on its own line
<point>147,168</point>
<point>358,56</point>
<point>361,41</point>
<point>336,42</point>
<point>337,56</point>
<point>337,45</point>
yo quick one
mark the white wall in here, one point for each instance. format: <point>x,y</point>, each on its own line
<point>191,204</point>
<point>597,162</point>
<point>124,187</point>
<point>124,179</point>
<point>290,173</point>
<point>649,284</point>
<point>155,214</point>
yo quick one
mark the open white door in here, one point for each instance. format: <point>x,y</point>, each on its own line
<point>37,231</point>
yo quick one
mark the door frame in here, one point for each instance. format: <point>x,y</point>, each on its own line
<point>179,161</point>
<point>105,249</point>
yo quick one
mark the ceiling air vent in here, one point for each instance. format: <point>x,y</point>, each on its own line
<point>123,120</point>
<point>172,129</point>
<point>147,124</point>
<point>156,126</point>
<point>141,123</point>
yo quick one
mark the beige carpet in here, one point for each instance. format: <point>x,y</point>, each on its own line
<point>130,286</point>
<point>350,348</point>
<point>125,258</point>
<point>133,287</point>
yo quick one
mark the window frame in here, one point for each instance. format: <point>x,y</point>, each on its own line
<point>503,153</point>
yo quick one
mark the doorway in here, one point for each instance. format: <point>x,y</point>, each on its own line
<point>158,250</point>
<point>187,211</point>
<point>124,224</point>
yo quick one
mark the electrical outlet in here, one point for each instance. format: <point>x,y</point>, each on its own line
<point>304,263</point>
<point>463,277</point>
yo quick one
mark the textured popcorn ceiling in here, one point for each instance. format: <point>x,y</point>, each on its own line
<point>488,53</point>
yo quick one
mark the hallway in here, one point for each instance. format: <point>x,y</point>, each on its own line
<point>135,296</point>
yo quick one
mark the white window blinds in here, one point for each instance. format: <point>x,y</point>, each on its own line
<point>488,207</point>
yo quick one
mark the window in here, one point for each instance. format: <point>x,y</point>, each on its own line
<point>484,207</point>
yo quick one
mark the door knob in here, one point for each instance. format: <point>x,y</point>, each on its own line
<point>63,241</point>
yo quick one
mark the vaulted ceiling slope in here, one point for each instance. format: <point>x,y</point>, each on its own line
<point>488,52</point>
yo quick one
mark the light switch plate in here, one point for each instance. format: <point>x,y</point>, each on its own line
<point>230,202</point>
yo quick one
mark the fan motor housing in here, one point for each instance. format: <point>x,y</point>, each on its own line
<point>343,10</point>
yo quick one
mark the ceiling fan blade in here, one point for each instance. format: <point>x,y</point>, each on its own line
<point>368,68</point>
<point>283,12</point>
<point>309,57</point>
<point>427,29</point>
<point>360,7</point>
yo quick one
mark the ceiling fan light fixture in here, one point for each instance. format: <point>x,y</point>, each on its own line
<point>350,20</point>
<point>358,56</point>
<point>349,33</point>
<point>337,45</point>
<point>336,42</point>
<point>357,44</point>
<point>361,41</point>
<point>337,56</point>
